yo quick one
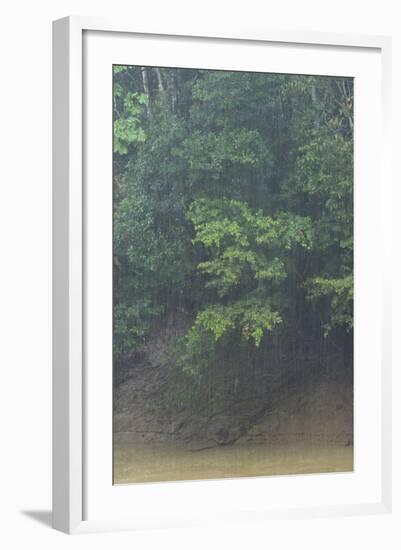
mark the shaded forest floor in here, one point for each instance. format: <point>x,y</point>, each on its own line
<point>293,416</point>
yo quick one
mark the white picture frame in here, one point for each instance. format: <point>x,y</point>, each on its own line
<point>70,257</point>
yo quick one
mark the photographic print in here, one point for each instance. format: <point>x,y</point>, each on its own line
<point>232,274</point>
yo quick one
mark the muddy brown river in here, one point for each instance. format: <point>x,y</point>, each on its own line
<point>138,462</point>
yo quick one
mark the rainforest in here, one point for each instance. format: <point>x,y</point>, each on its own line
<point>232,274</point>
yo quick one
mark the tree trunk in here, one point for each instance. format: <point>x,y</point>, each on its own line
<point>159,80</point>
<point>145,82</point>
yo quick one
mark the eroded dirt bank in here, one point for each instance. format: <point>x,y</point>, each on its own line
<point>292,415</point>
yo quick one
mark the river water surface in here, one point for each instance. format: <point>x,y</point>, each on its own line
<point>140,462</point>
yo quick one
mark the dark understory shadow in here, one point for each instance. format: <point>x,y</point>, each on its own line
<point>41,516</point>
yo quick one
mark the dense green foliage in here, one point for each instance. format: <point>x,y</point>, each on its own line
<point>232,205</point>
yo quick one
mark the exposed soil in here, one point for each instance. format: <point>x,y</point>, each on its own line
<point>290,402</point>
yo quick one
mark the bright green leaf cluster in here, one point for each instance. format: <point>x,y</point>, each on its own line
<point>127,129</point>
<point>243,242</point>
<point>250,317</point>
